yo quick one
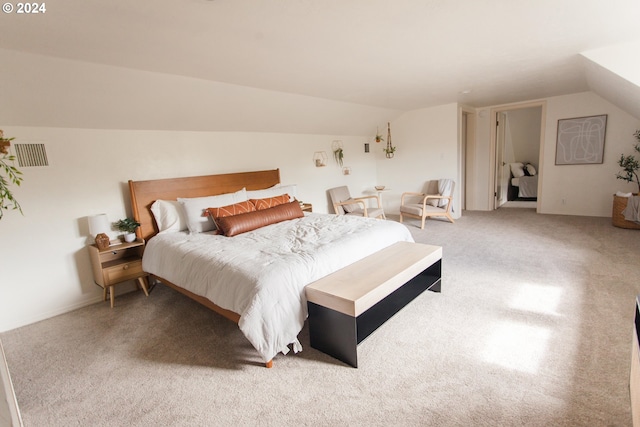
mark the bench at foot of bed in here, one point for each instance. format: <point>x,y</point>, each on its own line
<point>347,306</point>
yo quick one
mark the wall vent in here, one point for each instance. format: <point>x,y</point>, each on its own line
<point>31,155</point>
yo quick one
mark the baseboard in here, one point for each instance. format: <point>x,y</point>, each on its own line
<point>17,323</point>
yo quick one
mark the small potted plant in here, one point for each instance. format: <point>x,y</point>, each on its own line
<point>389,150</point>
<point>128,226</point>
<point>379,137</point>
<point>630,167</point>
<point>338,154</point>
<point>338,151</point>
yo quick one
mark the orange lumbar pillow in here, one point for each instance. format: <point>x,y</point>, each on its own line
<point>237,224</point>
<point>230,210</point>
<point>270,202</point>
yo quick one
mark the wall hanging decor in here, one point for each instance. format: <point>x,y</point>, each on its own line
<point>379,137</point>
<point>338,151</point>
<point>320,159</point>
<point>580,140</point>
<point>346,170</point>
<point>389,150</point>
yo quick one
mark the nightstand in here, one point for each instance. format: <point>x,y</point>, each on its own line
<point>117,264</point>
<point>306,207</point>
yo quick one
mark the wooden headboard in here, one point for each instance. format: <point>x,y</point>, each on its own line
<point>144,193</point>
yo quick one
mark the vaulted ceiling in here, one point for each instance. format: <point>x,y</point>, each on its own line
<point>396,54</point>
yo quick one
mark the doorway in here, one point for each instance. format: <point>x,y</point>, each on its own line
<point>466,168</point>
<point>517,138</point>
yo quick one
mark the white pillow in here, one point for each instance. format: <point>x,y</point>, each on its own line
<point>276,190</point>
<point>194,209</point>
<point>517,169</point>
<point>531,169</point>
<point>259,193</point>
<point>169,216</point>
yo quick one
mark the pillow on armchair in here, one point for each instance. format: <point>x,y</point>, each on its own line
<point>350,207</point>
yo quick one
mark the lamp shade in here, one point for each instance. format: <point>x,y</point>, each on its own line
<point>98,224</point>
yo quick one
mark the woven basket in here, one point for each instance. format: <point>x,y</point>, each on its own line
<point>617,219</point>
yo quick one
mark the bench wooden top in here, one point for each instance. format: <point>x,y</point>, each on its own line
<point>357,287</point>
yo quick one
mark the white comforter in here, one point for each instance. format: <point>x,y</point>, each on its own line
<point>261,275</point>
<point>528,185</point>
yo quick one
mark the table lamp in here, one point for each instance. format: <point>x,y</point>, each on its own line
<point>98,226</point>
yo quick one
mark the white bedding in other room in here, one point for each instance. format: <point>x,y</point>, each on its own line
<point>261,274</point>
<point>527,185</point>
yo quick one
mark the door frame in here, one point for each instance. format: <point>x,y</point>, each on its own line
<point>500,193</point>
<point>467,123</point>
<point>492,158</point>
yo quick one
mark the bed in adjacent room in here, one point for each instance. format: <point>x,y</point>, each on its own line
<point>251,271</point>
<point>523,184</point>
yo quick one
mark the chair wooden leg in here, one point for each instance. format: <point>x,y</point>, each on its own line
<point>400,217</point>
<point>422,225</point>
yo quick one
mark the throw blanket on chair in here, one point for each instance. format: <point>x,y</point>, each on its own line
<point>632,211</point>
<point>444,188</point>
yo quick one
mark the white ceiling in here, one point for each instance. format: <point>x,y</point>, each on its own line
<point>397,54</point>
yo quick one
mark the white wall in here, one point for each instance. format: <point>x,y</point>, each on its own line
<point>585,189</point>
<point>43,91</point>
<point>480,183</point>
<point>46,269</point>
<point>427,149</point>
<point>523,135</point>
<point>617,59</point>
<point>571,189</point>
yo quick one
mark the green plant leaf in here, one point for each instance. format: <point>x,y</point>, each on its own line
<point>9,174</point>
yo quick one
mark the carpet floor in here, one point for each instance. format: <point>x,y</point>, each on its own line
<point>533,327</point>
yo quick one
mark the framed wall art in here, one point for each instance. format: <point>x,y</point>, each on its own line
<point>581,140</point>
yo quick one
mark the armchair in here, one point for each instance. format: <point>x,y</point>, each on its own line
<point>344,204</point>
<point>421,205</point>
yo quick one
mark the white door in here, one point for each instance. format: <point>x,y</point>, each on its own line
<point>463,158</point>
<point>502,167</point>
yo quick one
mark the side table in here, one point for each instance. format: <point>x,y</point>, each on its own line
<point>117,264</point>
<point>379,193</point>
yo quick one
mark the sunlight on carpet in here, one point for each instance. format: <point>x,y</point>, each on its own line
<point>538,299</point>
<point>517,346</point>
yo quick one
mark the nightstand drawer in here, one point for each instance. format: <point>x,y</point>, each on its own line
<point>121,272</point>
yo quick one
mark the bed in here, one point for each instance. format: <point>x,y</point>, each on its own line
<point>255,278</point>
<point>523,184</point>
